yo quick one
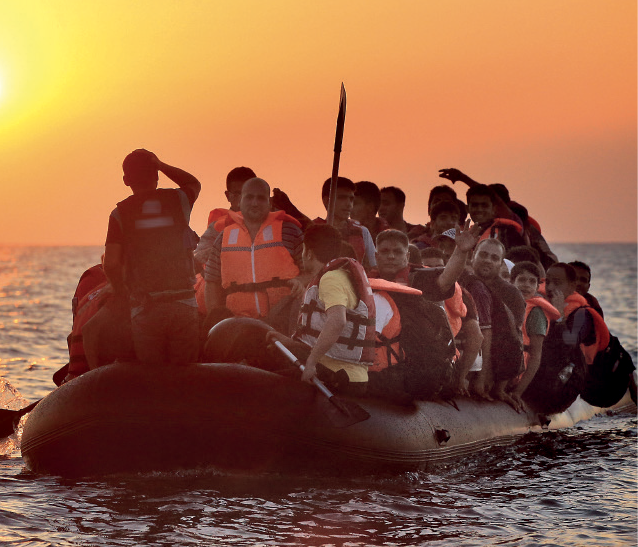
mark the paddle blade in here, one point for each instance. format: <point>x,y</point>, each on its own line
<point>341,119</point>
<point>9,419</point>
<point>342,413</point>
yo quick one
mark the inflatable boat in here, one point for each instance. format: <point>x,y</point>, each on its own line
<point>137,418</point>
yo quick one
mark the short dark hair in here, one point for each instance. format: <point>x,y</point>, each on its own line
<point>522,253</point>
<point>324,241</point>
<point>525,266</point>
<point>368,192</point>
<point>391,233</point>
<point>445,207</point>
<point>479,190</point>
<point>399,195</point>
<point>582,266</point>
<point>342,183</point>
<point>346,249</point>
<point>139,162</point>
<point>239,174</point>
<point>570,272</point>
<point>441,189</point>
<point>491,241</point>
<point>501,191</point>
<point>432,252</point>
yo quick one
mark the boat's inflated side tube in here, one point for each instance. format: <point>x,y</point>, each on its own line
<point>240,340</point>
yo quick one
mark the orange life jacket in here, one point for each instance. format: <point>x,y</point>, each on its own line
<point>255,273</point>
<point>534,223</point>
<point>217,214</point>
<point>200,293</point>
<point>87,308</point>
<point>353,234</point>
<point>456,309</point>
<point>356,343</point>
<point>493,230</point>
<point>572,303</point>
<point>387,348</point>
<point>551,313</point>
<point>89,280</point>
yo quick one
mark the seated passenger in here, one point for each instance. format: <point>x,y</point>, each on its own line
<point>502,309</point>
<point>583,281</point>
<point>352,231</point>
<point>432,257</point>
<point>234,183</point>
<point>253,264</point>
<point>391,209</point>
<point>92,343</point>
<point>367,199</point>
<point>335,332</point>
<point>392,249</point>
<point>539,313</point>
<point>603,375</point>
<point>482,210</point>
<point>444,216</point>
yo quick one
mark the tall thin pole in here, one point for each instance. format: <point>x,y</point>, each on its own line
<point>341,120</point>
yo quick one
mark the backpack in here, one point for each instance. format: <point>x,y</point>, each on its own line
<point>607,377</point>
<point>427,346</point>
<point>560,377</point>
<point>507,342</point>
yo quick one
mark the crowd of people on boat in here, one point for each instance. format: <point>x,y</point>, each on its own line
<point>470,302</point>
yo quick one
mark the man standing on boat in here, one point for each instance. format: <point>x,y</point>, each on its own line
<point>254,262</point>
<point>149,259</point>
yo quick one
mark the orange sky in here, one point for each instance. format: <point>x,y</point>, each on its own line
<point>538,95</point>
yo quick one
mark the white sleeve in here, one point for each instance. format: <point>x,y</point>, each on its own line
<point>369,247</point>
<point>383,311</point>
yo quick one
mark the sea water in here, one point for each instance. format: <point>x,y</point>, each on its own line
<point>573,487</point>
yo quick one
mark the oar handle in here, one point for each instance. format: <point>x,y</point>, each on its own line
<point>320,385</point>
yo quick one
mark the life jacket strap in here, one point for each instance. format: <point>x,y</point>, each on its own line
<point>256,287</point>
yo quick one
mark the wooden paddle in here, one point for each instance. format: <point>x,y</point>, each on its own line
<point>341,120</point>
<point>9,418</point>
<point>341,413</point>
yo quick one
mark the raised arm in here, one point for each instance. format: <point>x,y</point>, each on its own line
<point>466,239</point>
<point>454,175</point>
<point>184,180</point>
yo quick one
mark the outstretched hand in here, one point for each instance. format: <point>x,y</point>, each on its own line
<point>453,175</point>
<point>467,237</point>
<point>280,200</point>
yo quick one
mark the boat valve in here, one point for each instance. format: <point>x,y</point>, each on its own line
<point>442,436</point>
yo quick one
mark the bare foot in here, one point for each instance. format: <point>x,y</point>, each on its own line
<point>500,395</point>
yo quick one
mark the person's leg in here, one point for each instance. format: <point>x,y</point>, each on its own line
<point>183,335</point>
<point>149,338</point>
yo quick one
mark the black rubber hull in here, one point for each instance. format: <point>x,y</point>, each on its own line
<point>133,418</point>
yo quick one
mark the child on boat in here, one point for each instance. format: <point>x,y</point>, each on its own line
<point>526,277</point>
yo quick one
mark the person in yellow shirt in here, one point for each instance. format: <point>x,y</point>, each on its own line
<point>335,330</point>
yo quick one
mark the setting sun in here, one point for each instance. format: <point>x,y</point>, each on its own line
<point>542,99</point>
